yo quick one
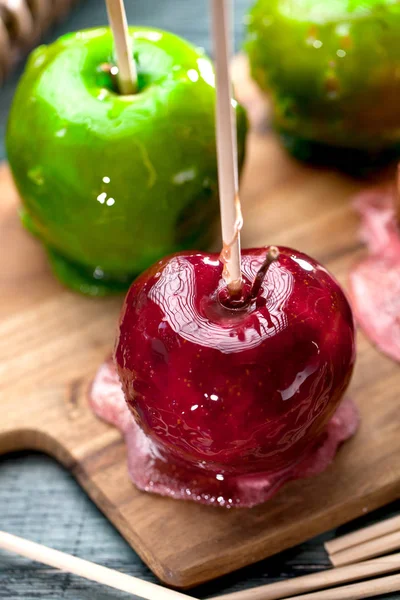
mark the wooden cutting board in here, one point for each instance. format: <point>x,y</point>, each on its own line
<point>51,342</point>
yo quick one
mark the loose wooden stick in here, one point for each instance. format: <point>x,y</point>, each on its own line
<point>88,570</point>
<point>127,75</point>
<point>378,547</point>
<point>318,581</point>
<point>366,589</point>
<point>363,535</point>
<point>226,149</point>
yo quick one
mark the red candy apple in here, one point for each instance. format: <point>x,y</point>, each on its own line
<point>234,373</point>
<point>226,389</point>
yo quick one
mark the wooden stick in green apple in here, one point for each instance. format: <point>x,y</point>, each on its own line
<point>231,217</point>
<point>127,75</point>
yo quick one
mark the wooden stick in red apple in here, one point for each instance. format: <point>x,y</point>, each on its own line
<point>127,75</point>
<point>231,218</point>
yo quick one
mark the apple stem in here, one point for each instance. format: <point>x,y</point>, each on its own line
<point>228,178</point>
<point>272,256</point>
<point>127,74</point>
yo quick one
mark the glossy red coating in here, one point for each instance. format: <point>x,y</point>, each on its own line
<point>234,391</point>
<point>151,473</point>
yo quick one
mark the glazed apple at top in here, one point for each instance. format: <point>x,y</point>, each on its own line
<point>331,67</point>
<point>111,183</point>
<point>235,386</point>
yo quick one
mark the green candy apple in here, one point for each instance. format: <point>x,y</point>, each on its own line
<point>332,68</point>
<point>112,183</point>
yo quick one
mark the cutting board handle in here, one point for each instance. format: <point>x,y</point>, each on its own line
<point>56,421</point>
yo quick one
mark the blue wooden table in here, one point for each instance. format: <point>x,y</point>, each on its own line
<point>38,499</point>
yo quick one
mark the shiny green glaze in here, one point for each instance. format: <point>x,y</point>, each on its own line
<point>332,68</point>
<point>112,183</point>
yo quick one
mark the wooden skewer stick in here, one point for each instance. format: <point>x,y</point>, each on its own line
<point>363,535</point>
<point>226,149</point>
<point>127,75</point>
<point>318,581</point>
<point>378,547</point>
<point>88,570</point>
<point>356,591</point>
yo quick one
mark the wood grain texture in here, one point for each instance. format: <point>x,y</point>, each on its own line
<point>51,342</point>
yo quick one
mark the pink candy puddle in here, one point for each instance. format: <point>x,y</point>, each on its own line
<point>151,473</point>
<point>375,281</point>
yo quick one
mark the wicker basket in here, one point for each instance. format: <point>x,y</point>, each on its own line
<point>22,24</point>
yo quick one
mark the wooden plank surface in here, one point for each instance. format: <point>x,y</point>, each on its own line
<point>52,340</point>
<point>40,500</point>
